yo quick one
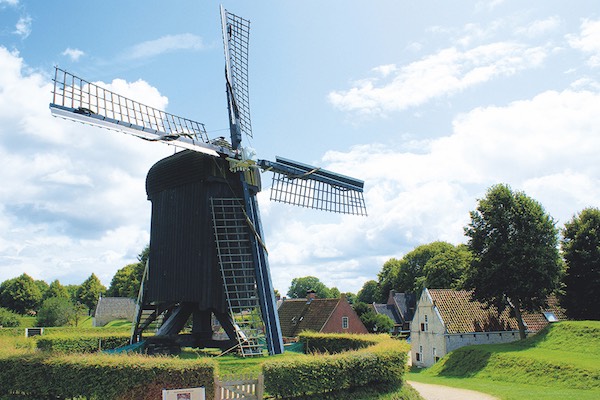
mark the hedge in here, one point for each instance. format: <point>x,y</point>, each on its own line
<point>101,376</point>
<point>89,343</point>
<point>381,360</point>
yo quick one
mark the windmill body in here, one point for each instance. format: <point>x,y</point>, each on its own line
<point>208,268</point>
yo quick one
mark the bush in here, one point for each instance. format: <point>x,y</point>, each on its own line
<point>56,311</point>
<point>8,319</point>
<point>90,343</point>
<point>107,377</point>
<point>380,360</point>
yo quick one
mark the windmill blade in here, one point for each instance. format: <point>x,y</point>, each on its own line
<point>307,186</point>
<point>79,100</point>
<point>236,35</point>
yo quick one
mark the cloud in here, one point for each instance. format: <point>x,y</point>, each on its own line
<point>72,197</point>
<point>540,27</point>
<point>23,27</point>
<point>166,44</point>
<point>11,3</point>
<point>588,41</point>
<point>73,54</point>
<point>544,145</point>
<point>442,74</point>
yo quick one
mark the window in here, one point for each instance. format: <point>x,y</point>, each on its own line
<point>435,356</point>
<point>418,356</point>
<point>424,325</point>
<point>344,322</point>
<point>550,317</point>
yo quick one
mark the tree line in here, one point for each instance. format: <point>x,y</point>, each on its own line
<point>515,256</point>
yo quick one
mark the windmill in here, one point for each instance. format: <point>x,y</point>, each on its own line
<point>208,259</point>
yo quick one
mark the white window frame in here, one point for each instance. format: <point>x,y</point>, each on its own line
<point>345,322</point>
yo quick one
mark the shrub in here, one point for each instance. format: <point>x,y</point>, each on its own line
<point>56,311</point>
<point>380,360</point>
<point>69,343</point>
<point>109,377</point>
<point>8,319</point>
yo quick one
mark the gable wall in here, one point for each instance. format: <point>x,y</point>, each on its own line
<point>431,339</point>
<point>334,323</point>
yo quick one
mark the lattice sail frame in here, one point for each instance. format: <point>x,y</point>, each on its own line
<point>236,35</point>
<point>76,99</point>
<point>307,186</point>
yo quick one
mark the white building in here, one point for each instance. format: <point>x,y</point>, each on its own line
<point>447,319</point>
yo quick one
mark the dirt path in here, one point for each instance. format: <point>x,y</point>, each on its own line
<point>439,392</point>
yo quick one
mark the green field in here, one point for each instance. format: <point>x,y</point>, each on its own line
<point>560,362</point>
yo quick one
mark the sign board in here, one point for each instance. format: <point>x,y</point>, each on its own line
<point>184,394</point>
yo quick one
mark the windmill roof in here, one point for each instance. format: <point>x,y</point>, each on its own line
<point>461,314</point>
<point>299,315</point>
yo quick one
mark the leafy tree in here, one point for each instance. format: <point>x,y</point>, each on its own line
<point>387,279</point>
<point>362,308</point>
<point>20,294</point>
<point>334,293</point>
<point>55,289</point>
<point>581,251</point>
<point>350,297</point>
<point>43,286</point>
<point>300,286</point>
<point>126,281</point>
<point>514,244</point>
<point>89,292</point>
<point>437,264</point>
<point>368,293</point>
<point>377,323</point>
<point>56,311</point>
<point>72,290</point>
<point>8,319</point>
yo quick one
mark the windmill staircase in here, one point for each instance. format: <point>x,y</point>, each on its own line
<point>233,234</point>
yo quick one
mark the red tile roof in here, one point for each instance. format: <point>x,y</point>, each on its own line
<point>299,315</point>
<point>461,314</point>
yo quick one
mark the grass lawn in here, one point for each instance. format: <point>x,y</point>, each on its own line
<point>507,390</point>
<point>560,362</point>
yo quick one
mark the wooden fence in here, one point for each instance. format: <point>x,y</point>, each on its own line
<point>239,387</point>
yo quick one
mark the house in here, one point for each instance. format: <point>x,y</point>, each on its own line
<point>447,319</point>
<point>400,307</point>
<point>111,308</point>
<point>318,315</point>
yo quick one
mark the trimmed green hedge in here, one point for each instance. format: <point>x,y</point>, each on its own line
<point>381,360</point>
<point>100,376</point>
<point>88,343</point>
<point>334,343</point>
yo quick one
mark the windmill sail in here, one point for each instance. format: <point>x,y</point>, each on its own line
<point>307,186</point>
<point>236,34</point>
<point>82,101</point>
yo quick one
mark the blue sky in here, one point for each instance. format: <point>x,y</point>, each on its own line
<point>430,103</point>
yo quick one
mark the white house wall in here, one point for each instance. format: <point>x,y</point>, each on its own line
<point>429,343</point>
<point>454,341</point>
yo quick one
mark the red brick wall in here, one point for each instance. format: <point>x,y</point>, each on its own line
<point>334,324</point>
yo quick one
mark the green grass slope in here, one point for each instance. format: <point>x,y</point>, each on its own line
<point>563,356</point>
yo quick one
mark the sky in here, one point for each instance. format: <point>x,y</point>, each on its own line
<point>430,103</point>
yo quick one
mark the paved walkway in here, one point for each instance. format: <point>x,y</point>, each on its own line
<point>439,392</point>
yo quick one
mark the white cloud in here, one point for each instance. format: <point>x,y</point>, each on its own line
<point>588,41</point>
<point>441,74</point>
<point>165,44</point>
<point>73,197</point>
<point>540,27</point>
<point>73,54</point>
<point>23,27</point>
<point>545,146</point>
<point>9,2</point>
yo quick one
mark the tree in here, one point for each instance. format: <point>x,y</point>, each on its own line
<point>126,281</point>
<point>20,294</point>
<point>300,286</point>
<point>515,255</point>
<point>377,323</point>
<point>89,292</point>
<point>368,293</point>
<point>55,289</point>
<point>581,251</point>
<point>437,264</point>
<point>8,319</point>
<point>56,311</point>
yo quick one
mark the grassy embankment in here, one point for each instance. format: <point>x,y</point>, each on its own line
<point>560,362</point>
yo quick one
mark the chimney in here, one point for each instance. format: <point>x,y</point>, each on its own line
<point>310,295</point>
